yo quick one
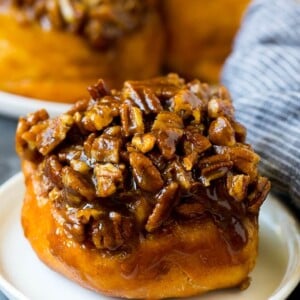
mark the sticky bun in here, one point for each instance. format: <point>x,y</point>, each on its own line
<point>145,192</point>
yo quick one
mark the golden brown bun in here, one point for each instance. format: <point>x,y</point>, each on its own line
<point>189,260</point>
<point>58,66</point>
<point>200,35</point>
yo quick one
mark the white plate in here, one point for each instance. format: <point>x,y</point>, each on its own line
<point>16,106</point>
<point>23,276</point>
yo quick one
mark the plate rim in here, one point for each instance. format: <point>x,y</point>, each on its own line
<point>21,105</point>
<point>283,290</point>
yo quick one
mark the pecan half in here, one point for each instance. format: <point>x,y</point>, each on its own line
<point>107,179</point>
<point>111,232</point>
<point>54,133</point>
<point>106,148</point>
<point>237,186</point>
<point>166,198</point>
<point>214,167</point>
<point>258,196</point>
<point>145,173</point>
<point>131,119</point>
<point>167,141</point>
<point>143,97</point>
<point>165,120</point>
<point>75,182</point>
<point>144,142</point>
<point>221,132</point>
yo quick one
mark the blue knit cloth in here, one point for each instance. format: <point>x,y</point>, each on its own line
<point>263,76</point>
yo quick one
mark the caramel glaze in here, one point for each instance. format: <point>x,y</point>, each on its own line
<point>222,215</point>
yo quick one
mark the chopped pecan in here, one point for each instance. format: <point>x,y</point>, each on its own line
<point>165,120</point>
<point>98,117</point>
<point>145,173</point>
<point>115,131</point>
<point>142,210</point>
<point>143,97</point>
<point>221,132</point>
<point>111,232</point>
<point>98,90</point>
<point>163,87</point>
<point>144,142</point>
<point>167,141</point>
<point>27,130</point>
<point>258,196</point>
<point>186,104</point>
<point>106,148</point>
<point>176,171</point>
<point>53,170</point>
<point>107,179</point>
<point>166,198</point>
<point>237,186</point>
<point>80,166</point>
<point>85,215</point>
<point>240,131</point>
<point>79,107</point>
<point>194,143</point>
<point>131,119</point>
<point>75,182</point>
<point>214,167</point>
<point>55,132</point>
<point>218,107</point>
<point>244,159</point>
<point>75,230</point>
<point>201,90</point>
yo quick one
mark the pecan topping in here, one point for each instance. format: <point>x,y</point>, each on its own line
<point>165,199</point>
<point>144,98</point>
<point>187,104</point>
<point>76,183</point>
<point>220,108</point>
<point>214,167</point>
<point>27,131</point>
<point>237,186</point>
<point>221,132</point>
<point>111,232</point>
<point>154,153</point>
<point>131,119</point>
<point>53,134</point>
<point>100,22</point>
<point>145,173</point>
<point>144,142</point>
<point>258,196</point>
<point>167,141</point>
<point>98,117</point>
<point>107,177</point>
<point>106,148</point>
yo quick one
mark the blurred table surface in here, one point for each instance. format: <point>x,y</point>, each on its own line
<point>10,165</point>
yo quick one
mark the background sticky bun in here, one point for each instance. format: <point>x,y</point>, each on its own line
<point>54,49</point>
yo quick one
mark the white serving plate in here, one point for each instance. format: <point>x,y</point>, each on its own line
<point>16,106</point>
<point>23,276</point>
